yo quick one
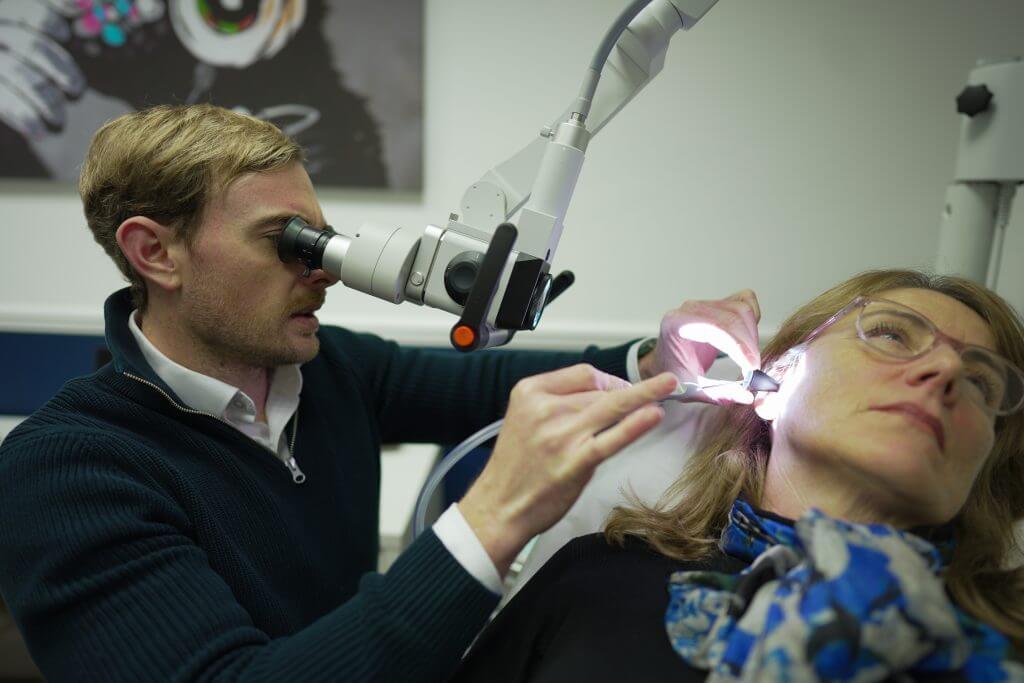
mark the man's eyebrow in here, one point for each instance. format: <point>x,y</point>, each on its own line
<point>276,220</point>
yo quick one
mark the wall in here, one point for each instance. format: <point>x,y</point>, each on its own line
<point>785,146</point>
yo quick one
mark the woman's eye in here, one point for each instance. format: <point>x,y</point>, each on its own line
<point>889,333</point>
<point>983,384</point>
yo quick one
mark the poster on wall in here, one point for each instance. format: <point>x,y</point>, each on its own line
<point>344,78</point>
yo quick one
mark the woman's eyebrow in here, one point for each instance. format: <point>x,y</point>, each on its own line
<point>985,358</point>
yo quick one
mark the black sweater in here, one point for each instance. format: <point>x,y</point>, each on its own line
<point>594,612</point>
<point>142,541</point>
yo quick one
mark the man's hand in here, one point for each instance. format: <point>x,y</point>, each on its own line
<point>558,428</point>
<point>692,335</point>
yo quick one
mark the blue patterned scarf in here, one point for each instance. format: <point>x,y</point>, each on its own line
<point>829,600</point>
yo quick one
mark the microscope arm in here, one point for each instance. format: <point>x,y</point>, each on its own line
<point>638,56</point>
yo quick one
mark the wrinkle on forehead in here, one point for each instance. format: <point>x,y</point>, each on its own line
<point>952,317</point>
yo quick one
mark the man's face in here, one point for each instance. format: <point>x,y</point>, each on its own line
<point>865,416</point>
<point>238,300</point>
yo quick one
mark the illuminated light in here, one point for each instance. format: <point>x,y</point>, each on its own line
<point>463,336</point>
<point>794,377</point>
<point>707,333</point>
<point>728,391</point>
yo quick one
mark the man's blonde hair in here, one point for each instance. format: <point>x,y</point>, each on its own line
<point>166,163</point>
<point>731,459</point>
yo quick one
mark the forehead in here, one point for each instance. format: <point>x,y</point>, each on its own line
<point>255,196</point>
<point>952,317</point>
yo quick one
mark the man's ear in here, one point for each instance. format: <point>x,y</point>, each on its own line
<point>152,250</point>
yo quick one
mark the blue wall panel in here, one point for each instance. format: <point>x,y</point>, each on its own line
<point>34,366</point>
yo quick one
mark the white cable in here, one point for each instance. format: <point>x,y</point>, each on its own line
<point>437,476</point>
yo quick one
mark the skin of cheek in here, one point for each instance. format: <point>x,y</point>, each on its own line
<point>240,301</point>
<point>870,458</point>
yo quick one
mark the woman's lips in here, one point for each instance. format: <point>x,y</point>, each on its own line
<point>920,416</point>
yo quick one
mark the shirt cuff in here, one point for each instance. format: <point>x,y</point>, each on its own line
<point>633,362</point>
<point>455,534</point>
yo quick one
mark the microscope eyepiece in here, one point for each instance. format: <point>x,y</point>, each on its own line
<point>299,241</point>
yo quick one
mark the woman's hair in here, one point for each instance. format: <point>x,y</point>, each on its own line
<point>166,163</point>
<point>732,455</point>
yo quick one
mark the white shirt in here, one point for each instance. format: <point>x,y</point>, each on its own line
<point>233,406</point>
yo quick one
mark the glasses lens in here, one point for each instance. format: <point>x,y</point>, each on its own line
<point>1003,383</point>
<point>894,332</point>
<point>988,377</point>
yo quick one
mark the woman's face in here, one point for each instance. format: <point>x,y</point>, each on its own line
<point>878,437</point>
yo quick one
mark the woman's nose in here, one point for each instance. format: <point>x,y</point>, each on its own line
<point>940,368</point>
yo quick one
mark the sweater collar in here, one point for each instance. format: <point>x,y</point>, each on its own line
<point>126,356</point>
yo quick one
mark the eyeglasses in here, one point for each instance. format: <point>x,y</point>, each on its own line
<point>898,331</point>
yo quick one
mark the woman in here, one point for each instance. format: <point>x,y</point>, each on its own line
<point>896,442</point>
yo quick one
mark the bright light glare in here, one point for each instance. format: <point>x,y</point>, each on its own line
<point>707,333</point>
<point>790,386</point>
<point>728,391</point>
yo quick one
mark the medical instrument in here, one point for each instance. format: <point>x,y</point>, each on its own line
<point>989,166</point>
<point>752,381</point>
<point>698,391</point>
<point>490,272</point>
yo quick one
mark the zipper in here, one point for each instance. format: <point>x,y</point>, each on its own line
<point>293,467</point>
<point>297,476</point>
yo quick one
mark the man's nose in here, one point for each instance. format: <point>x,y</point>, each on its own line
<point>313,277</point>
<point>321,278</point>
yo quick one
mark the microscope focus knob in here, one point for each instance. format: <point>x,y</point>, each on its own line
<point>973,100</point>
<point>460,275</point>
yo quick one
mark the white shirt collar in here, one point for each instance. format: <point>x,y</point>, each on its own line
<point>229,403</point>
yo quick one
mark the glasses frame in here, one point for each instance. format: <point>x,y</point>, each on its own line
<point>938,335</point>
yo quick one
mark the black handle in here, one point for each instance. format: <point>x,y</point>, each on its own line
<point>561,283</point>
<point>470,332</point>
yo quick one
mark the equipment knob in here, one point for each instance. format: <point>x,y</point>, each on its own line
<point>973,100</point>
<point>460,275</point>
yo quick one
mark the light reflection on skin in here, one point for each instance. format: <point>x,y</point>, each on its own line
<point>790,372</point>
<point>789,386</point>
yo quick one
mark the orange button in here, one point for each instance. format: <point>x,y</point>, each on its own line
<point>463,335</point>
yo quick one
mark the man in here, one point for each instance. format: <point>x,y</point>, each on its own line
<point>205,505</point>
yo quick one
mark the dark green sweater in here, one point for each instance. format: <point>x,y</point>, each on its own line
<point>142,541</point>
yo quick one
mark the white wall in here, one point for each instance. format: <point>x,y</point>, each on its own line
<point>786,145</point>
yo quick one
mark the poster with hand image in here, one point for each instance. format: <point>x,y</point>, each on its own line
<point>344,78</point>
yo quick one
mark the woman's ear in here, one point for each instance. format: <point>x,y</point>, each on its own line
<point>767,404</point>
<point>149,247</point>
